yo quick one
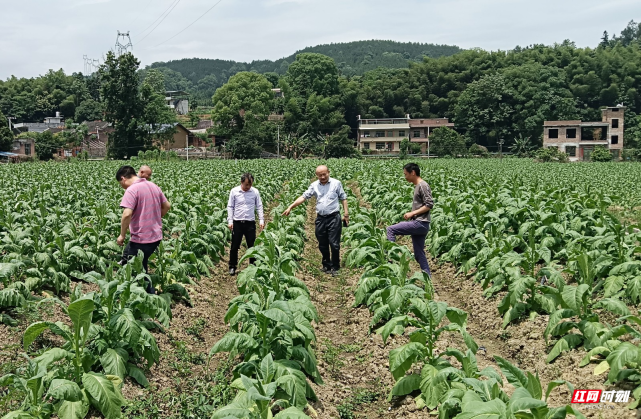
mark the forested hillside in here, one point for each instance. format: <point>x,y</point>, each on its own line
<point>200,76</point>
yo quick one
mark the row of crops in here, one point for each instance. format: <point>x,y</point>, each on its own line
<point>58,225</point>
<point>543,238</point>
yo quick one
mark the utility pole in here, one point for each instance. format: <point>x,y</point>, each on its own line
<point>501,147</point>
<point>187,142</point>
<point>278,142</point>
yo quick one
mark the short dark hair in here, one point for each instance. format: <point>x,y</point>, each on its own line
<point>126,172</point>
<point>412,167</point>
<point>247,176</point>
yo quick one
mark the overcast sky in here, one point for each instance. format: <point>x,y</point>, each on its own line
<point>37,35</point>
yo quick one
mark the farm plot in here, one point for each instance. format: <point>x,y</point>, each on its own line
<point>542,244</point>
<point>551,249</point>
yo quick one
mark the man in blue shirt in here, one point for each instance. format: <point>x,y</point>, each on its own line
<point>328,191</point>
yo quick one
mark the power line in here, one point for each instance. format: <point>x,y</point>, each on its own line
<point>165,17</point>
<point>161,15</point>
<point>187,27</point>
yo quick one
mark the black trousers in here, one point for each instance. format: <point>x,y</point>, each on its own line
<point>241,228</point>
<point>328,233</point>
<point>131,250</point>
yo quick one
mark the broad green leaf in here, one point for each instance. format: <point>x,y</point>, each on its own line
<point>566,343</point>
<point>81,313</point>
<point>514,375</point>
<point>406,385</point>
<point>138,375</point>
<point>103,394</point>
<point>113,364</point>
<point>33,331</point>
<point>64,390</point>
<point>401,359</point>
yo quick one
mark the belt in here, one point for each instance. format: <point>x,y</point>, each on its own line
<point>328,215</point>
<point>245,221</point>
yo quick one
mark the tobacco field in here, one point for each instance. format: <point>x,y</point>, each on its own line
<point>535,288</point>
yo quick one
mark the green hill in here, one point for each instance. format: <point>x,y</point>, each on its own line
<point>201,76</point>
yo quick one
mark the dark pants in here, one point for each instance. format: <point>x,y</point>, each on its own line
<point>131,250</point>
<point>328,233</point>
<point>418,230</point>
<point>241,228</point>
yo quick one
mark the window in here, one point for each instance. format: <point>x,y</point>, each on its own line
<point>367,134</point>
<point>380,146</point>
<point>401,133</point>
<point>615,139</point>
<point>390,133</point>
<point>366,146</point>
<point>615,123</point>
<point>417,134</point>
<point>570,133</point>
<point>380,134</point>
<point>571,150</point>
<point>27,149</point>
<point>553,133</point>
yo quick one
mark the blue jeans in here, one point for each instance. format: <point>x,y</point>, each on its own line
<point>418,230</point>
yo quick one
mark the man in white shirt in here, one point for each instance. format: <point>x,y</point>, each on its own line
<point>244,201</point>
<point>328,192</point>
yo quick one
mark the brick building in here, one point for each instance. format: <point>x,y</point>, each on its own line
<point>384,135</point>
<point>578,139</point>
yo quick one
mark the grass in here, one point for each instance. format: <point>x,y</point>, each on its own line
<point>360,397</point>
<point>193,398</point>
<point>197,328</point>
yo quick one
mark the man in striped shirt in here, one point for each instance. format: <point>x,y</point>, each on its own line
<point>244,201</point>
<point>143,205</point>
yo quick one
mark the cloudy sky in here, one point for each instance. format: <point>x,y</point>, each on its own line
<point>37,35</point>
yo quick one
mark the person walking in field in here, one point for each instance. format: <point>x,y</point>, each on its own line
<point>244,201</point>
<point>144,172</point>
<point>328,192</point>
<point>143,205</point>
<point>417,222</point>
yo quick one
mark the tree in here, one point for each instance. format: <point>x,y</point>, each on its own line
<point>6,136</point>
<point>408,147</point>
<point>484,108</point>
<point>339,144</point>
<point>601,154</point>
<point>245,96</point>
<point>312,97</point>
<point>89,110</point>
<point>445,141</point>
<point>160,120</point>
<point>123,105</point>
<point>47,144</point>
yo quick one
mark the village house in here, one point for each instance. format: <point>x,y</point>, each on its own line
<point>578,139</point>
<point>178,100</point>
<point>384,135</point>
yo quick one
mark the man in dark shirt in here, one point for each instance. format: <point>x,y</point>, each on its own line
<point>418,220</point>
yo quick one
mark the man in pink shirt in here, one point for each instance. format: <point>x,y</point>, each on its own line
<point>143,205</point>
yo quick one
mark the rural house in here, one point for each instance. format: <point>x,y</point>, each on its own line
<point>578,139</point>
<point>384,135</point>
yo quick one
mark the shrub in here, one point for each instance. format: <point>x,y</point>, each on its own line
<point>447,142</point>
<point>601,154</point>
<point>478,150</point>
<point>551,154</point>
